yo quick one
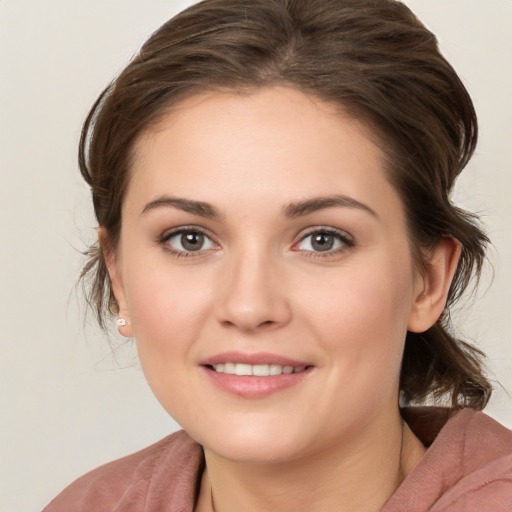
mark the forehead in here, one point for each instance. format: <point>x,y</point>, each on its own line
<point>274,144</point>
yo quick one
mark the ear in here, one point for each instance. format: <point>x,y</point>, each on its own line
<point>116,283</point>
<point>434,285</point>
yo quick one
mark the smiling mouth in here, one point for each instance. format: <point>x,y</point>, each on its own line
<point>257,370</point>
<point>255,376</point>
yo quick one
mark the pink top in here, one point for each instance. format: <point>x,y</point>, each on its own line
<point>468,468</point>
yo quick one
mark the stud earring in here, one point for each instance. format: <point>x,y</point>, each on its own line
<point>121,322</point>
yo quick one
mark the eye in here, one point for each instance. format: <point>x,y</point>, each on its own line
<point>324,241</point>
<point>187,240</point>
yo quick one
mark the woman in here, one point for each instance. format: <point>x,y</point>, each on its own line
<point>271,180</point>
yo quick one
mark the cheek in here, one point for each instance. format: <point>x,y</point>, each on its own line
<point>361,316</point>
<point>166,308</point>
<point>167,311</point>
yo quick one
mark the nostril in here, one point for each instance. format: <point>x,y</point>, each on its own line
<point>249,326</point>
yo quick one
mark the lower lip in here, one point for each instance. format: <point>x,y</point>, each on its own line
<point>248,386</point>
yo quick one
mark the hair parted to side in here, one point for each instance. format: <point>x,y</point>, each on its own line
<point>373,59</point>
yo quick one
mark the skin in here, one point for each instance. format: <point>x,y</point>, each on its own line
<point>334,440</point>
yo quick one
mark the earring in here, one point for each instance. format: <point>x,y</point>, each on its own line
<point>121,322</point>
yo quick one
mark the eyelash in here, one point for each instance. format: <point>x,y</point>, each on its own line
<point>347,242</point>
<point>180,231</point>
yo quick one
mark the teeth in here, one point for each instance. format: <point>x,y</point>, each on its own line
<point>276,369</point>
<point>243,369</point>
<point>228,368</point>
<point>259,370</point>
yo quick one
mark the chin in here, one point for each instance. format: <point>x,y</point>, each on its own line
<point>255,451</point>
<point>254,441</point>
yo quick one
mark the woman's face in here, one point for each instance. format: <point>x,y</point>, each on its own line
<point>260,235</point>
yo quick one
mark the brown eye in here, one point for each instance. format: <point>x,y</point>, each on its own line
<point>192,241</point>
<point>322,241</point>
<point>185,241</point>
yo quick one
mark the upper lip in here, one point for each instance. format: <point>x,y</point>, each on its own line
<point>252,359</point>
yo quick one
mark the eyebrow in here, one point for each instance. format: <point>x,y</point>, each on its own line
<point>300,208</point>
<point>187,205</point>
<point>292,210</point>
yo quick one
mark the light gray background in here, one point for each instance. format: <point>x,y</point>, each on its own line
<point>68,405</point>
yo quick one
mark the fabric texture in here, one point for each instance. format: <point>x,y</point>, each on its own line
<point>467,468</point>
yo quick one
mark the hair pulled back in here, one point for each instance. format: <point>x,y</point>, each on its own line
<point>376,61</point>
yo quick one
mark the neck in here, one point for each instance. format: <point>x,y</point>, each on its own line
<point>360,476</point>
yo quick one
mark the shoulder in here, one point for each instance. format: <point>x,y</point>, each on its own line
<point>468,468</point>
<point>160,477</point>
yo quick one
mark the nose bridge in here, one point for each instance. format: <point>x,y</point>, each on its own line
<point>252,294</point>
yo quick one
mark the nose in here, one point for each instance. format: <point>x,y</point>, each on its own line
<point>252,297</point>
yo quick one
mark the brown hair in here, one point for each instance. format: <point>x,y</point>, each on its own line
<point>371,57</point>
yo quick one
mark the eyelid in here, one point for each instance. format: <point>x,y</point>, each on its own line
<point>183,229</point>
<point>346,239</point>
<point>170,233</point>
